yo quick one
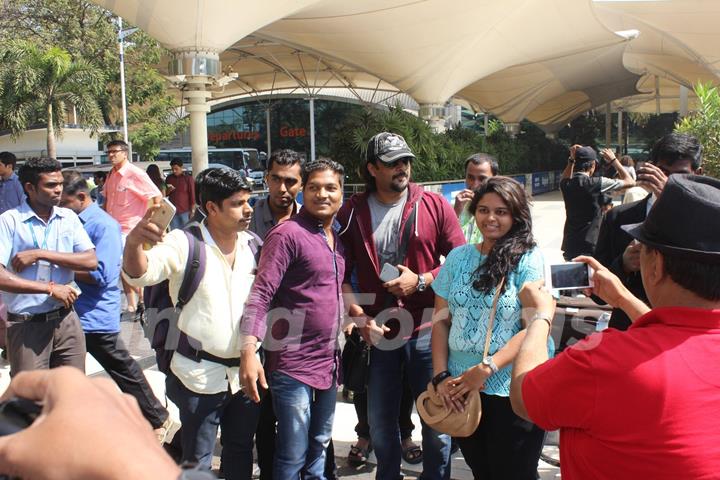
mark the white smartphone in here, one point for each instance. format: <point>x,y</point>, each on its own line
<point>568,276</point>
<point>389,272</point>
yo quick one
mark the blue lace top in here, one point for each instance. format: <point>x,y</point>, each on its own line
<point>470,311</point>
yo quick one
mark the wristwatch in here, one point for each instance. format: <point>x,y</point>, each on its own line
<point>438,379</point>
<point>489,362</point>
<point>421,285</point>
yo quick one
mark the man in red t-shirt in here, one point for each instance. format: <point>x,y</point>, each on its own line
<point>182,194</point>
<point>641,403</point>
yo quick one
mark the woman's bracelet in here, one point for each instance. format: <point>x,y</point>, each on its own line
<point>542,316</point>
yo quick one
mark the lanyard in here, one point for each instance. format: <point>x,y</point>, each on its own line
<point>47,232</point>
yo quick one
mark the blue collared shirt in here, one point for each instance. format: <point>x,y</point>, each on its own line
<point>99,304</point>
<point>11,193</point>
<point>21,229</point>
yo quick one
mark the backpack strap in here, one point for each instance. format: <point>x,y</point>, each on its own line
<point>255,243</point>
<point>194,265</point>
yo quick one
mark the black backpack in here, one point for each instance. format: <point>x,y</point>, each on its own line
<point>161,316</point>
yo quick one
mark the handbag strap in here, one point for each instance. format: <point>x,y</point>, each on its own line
<point>491,320</point>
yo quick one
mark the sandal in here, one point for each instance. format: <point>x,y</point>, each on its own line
<point>358,456</point>
<point>412,454</point>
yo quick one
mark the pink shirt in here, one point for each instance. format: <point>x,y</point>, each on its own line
<point>636,404</point>
<point>127,192</point>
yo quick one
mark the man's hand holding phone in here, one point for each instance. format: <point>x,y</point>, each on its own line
<point>146,232</point>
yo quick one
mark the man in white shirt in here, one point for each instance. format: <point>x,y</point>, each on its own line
<point>206,389</point>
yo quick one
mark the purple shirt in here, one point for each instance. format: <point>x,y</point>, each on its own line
<point>297,299</point>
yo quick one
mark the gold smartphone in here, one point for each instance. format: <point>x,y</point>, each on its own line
<point>162,217</point>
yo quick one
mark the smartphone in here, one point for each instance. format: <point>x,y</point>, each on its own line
<point>568,276</point>
<point>389,272</point>
<point>163,215</point>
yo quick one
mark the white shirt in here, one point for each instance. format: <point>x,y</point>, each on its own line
<point>212,316</point>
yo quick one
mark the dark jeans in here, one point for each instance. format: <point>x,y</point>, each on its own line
<point>304,430</point>
<point>110,352</point>
<point>504,446</point>
<point>201,415</point>
<point>385,387</point>
<point>404,420</point>
<point>265,441</point>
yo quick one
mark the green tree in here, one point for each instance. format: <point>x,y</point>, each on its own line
<point>89,32</point>
<point>705,125</point>
<point>44,83</point>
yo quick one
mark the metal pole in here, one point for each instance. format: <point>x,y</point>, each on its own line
<point>312,129</point>
<point>608,125</point>
<point>620,131</point>
<point>121,40</point>
<point>267,130</point>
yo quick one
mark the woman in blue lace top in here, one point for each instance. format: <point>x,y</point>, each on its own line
<point>504,446</point>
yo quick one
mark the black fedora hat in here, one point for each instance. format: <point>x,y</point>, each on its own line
<point>685,219</point>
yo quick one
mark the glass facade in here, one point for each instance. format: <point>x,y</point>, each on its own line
<point>244,125</point>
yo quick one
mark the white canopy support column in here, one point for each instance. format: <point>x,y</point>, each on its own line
<point>434,114</point>
<point>198,109</point>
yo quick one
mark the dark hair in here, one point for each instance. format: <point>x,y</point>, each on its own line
<point>74,182</point>
<point>284,157</point>
<point>369,158</point>
<point>100,174</point>
<point>217,184</point>
<point>584,165</point>
<point>701,278</point>
<point>323,164</point>
<point>176,161</point>
<point>674,147</point>
<point>8,158</point>
<point>117,143</point>
<point>30,171</point>
<point>153,171</point>
<point>480,158</point>
<point>507,251</point>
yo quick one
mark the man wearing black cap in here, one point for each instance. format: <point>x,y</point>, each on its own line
<point>394,235</point>
<point>581,193</point>
<point>640,403</point>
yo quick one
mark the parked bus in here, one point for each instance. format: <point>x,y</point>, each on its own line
<point>248,160</point>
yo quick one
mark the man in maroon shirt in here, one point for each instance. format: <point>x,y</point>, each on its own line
<point>398,224</point>
<point>640,403</point>
<point>182,193</point>
<point>297,300</point>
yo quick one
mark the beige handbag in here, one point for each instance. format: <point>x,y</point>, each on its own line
<point>430,405</point>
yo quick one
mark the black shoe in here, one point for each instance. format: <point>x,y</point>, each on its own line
<point>140,313</point>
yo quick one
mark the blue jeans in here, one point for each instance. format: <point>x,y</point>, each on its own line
<point>304,427</point>
<point>385,387</point>
<point>179,220</point>
<point>201,415</point>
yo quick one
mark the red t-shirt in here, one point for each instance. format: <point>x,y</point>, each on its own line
<point>639,404</point>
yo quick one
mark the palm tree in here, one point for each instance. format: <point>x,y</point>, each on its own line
<point>40,85</point>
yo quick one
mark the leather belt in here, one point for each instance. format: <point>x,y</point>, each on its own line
<point>58,314</point>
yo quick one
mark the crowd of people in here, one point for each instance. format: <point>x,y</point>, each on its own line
<point>446,297</point>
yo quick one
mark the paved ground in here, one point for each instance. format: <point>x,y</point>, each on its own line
<point>548,218</point>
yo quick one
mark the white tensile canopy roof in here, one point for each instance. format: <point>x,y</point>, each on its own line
<point>544,60</point>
